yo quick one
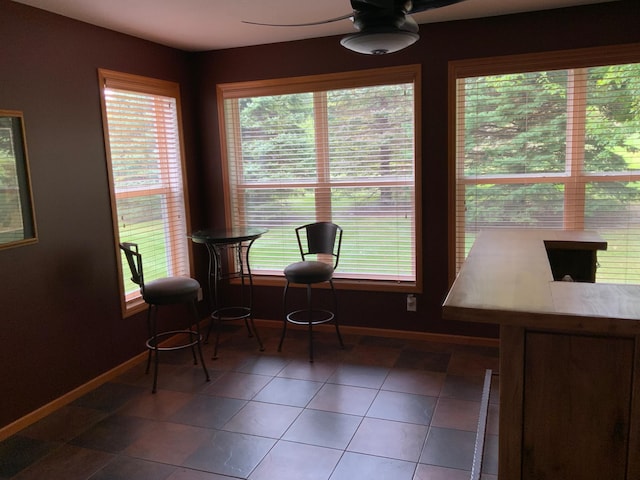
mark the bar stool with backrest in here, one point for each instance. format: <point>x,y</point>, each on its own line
<point>165,291</point>
<point>322,241</point>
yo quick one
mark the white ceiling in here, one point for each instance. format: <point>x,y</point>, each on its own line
<point>199,25</point>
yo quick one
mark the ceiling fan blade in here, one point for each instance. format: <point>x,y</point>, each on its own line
<point>423,5</point>
<point>360,5</point>
<point>321,22</point>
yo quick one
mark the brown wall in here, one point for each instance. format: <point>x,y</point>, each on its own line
<point>604,24</point>
<point>60,321</point>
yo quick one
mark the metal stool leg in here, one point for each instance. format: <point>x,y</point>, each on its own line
<point>255,333</point>
<point>335,312</point>
<point>194,309</point>
<point>149,336</point>
<point>154,323</point>
<point>248,327</point>
<point>285,321</point>
<point>310,323</point>
<point>192,341</point>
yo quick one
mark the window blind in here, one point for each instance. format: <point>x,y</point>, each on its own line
<point>345,155</point>
<point>147,178</point>
<point>556,148</point>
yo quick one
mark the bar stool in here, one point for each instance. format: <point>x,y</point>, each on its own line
<point>321,244</point>
<point>165,291</point>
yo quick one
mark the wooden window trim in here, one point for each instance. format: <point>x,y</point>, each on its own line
<point>565,60</point>
<point>132,303</point>
<point>343,80</point>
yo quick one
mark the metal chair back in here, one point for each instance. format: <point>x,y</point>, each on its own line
<point>320,239</point>
<point>134,259</point>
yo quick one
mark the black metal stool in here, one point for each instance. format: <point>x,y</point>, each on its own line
<point>320,242</point>
<point>165,291</point>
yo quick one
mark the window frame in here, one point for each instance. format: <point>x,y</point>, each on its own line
<point>511,64</point>
<point>318,84</point>
<point>133,303</point>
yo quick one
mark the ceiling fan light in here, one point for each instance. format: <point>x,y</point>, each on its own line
<point>379,42</point>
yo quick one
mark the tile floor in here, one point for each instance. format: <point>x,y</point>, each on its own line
<point>378,409</point>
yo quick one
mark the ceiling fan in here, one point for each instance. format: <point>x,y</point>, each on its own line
<point>384,26</point>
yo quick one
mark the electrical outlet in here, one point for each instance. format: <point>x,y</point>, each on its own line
<point>412,303</point>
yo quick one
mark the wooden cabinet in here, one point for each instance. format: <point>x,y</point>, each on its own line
<point>576,407</point>
<point>569,359</point>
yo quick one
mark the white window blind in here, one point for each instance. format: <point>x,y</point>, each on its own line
<point>143,138</point>
<point>553,149</point>
<point>324,153</point>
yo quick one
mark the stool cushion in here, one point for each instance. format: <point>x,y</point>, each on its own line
<point>308,272</point>
<point>171,290</point>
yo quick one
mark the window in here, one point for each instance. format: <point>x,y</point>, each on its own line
<point>339,147</point>
<point>146,172</point>
<point>552,143</point>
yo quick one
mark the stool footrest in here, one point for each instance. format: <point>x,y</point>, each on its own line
<point>301,317</point>
<point>228,314</point>
<point>150,342</point>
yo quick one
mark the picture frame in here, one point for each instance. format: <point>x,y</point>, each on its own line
<point>17,217</point>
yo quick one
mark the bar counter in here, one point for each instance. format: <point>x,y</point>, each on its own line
<point>569,356</point>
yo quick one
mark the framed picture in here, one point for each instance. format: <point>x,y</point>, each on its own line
<point>17,219</point>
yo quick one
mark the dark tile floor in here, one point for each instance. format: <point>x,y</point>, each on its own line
<point>378,409</point>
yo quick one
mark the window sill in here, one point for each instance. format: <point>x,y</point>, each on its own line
<point>342,284</point>
<point>134,306</point>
